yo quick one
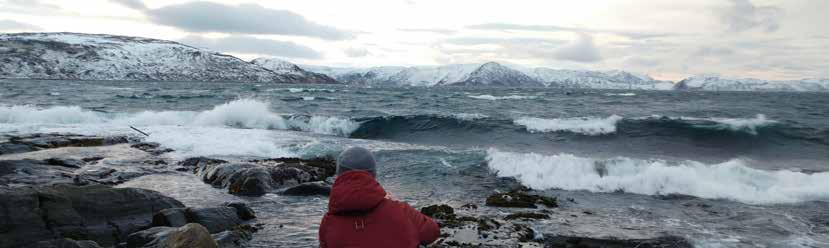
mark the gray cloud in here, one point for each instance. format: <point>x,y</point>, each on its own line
<point>582,49</point>
<point>133,4</point>
<point>10,25</point>
<point>553,28</point>
<point>742,15</point>
<point>429,30</point>
<point>28,7</point>
<point>356,52</point>
<point>202,16</point>
<point>252,45</point>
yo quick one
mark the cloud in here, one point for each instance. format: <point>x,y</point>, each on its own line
<point>356,52</point>
<point>132,4</point>
<point>28,7</point>
<point>500,41</point>
<point>553,28</point>
<point>252,45</point>
<point>742,15</point>
<point>10,25</point>
<point>429,30</point>
<point>202,16</point>
<point>582,49</point>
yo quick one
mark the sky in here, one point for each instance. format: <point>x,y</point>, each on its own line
<point>667,39</point>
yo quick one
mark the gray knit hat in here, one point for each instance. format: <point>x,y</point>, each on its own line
<point>356,158</point>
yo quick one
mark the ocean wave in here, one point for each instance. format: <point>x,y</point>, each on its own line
<point>582,125</point>
<point>494,98</point>
<point>470,116</point>
<point>747,125</point>
<point>732,180</point>
<point>621,94</point>
<point>242,113</point>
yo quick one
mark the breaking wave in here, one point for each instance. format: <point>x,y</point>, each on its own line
<point>732,180</point>
<point>494,98</point>
<point>242,113</point>
<point>584,125</point>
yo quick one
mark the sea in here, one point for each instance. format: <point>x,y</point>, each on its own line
<point>722,169</point>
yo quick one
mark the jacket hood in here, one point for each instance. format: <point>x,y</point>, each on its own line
<point>355,191</point>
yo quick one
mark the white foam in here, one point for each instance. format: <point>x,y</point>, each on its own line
<point>729,180</point>
<point>469,116</point>
<point>308,98</point>
<point>242,113</point>
<point>325,125</point>
<point>582,125</point>
<point>621,94</point>
<point>748,125</point>
<point>494,98</point>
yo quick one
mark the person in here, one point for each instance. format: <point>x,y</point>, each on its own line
<point>362,214</point>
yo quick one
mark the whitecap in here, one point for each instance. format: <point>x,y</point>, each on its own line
<point>582,125</point>
<point>733,179</point>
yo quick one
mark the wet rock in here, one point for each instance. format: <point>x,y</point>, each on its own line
<point>67,243</point>
<point>526,215</point>
<point>55,140</point>
<point>439,211</point>
<point>242,210</point>
<point>9,148</point>
<point>189,235</point>
<point>151,148</point>
<point>257,177</point>
<point>583,242</point>
<point>172,217</point>
<point>65,162</point>
<point>309,189</point>
<point>518,199</point>
<point>92,159</point>
<point>29,172</point>
<point>99,213</point>
<point>215,219</point>
<point>236,237</point>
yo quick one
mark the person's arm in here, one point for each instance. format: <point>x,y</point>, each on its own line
<point>428,229</point>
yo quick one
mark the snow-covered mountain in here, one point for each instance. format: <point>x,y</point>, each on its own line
<point>494,74</point>
<point>715,83</point>
<point>286,68</point>
<point>109,57</point>
<point>490,74</point>
<point>597,79</point>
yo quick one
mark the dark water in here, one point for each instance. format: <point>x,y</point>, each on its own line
<point>753,164</point>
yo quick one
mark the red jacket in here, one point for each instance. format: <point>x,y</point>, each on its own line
<point>360,215</point>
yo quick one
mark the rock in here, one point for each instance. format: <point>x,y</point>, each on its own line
<point>172,217</point>
<point>439,211</point>
<point>215,219</point>
<point>242,210</point>
<point>151,148</point>
<point>309,189</point>
<point>9,148</point>
<point>29,172</point>
<point>235,238</point>
<point>518,199</point>
<point>148,237</point>
<point>258,177</point>
<point>67,243</point>
<point>99,213</point>
<point>526,215</point>
<point>65,162</point>
<point>584,242</point>
<point>190,236</point>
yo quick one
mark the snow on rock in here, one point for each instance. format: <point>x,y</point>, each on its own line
<point>490,74</point>
<point>287,68</point>
<point>109,57</point>
<point>597,79</point>
<point>715,83</point>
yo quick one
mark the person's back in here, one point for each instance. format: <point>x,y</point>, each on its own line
<point>360,214</point>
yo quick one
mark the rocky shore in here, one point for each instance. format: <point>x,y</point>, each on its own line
<point>61,190</point>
